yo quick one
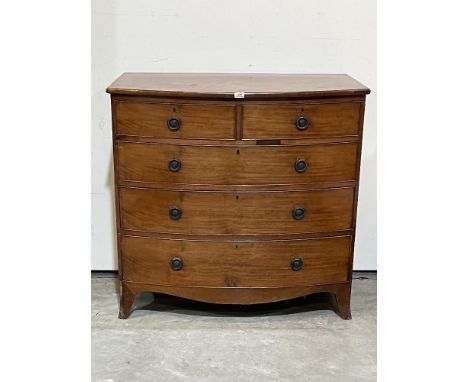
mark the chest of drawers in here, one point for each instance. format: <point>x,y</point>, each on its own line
<point>236,189</point>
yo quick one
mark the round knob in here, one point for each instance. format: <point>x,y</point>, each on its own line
<point>173,124</point>
<point>174,165</point>
<point>298,213</point>
<point>176,264</point>
<point>175,213</point>
<point>300,165</point>
<point>296,264</point>
<point>302,123</point>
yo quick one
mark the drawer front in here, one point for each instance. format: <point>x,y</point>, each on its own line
<point>242,165</point>
<point>236,264</point>
<point>236,213</point>
<point>162,120</point>
<point>296,121</point>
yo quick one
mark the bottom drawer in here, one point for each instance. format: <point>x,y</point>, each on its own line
<point>236,264</point>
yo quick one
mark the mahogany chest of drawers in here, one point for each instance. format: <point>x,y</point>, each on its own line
<point>236,189</point>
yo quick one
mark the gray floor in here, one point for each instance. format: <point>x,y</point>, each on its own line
<point>179,340</point>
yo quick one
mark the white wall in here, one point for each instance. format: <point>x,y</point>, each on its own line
<point>303,36</point>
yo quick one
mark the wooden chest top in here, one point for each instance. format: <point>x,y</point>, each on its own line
<point>222,86</point>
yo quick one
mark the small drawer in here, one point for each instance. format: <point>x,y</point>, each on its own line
<point>237,165</point>
<point>281,263</point>
<point>167,120</point>
<point>236,213</point>
<point>296,121</point>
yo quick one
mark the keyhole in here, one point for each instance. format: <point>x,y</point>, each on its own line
<point>173,109</point>
<point>237,246</point>
<point>237,152</point>
<point>237,197</point>
<point>302,109</point>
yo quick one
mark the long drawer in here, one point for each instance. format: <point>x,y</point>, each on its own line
<point>236,264</point>
<point>237,165</point>
<point>297,121</point>
<point>175,120</point>
<point>236,213</point>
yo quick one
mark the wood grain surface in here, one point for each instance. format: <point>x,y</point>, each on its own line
<point>226,85</point>
<point>279,121</point>
<point>213,121</point>
<point>236,213</point>
<point>246,165</point>
<point>236,264</point>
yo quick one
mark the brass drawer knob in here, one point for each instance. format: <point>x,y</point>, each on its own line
<point>300,165</point>
<point>176,264</point>
<point>298,213</point>
<point>296,264</point>
<point>173,124</point>
<point>175,213</point>
<point>302,123</point>
<point>174,165</point>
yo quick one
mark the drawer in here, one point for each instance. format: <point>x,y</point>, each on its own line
<point>280,263</point>
<point>166,120</point>
<point>241,165</point>
<point>296,121</point>
<point>236,213</point>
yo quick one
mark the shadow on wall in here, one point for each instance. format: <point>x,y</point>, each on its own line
<point>365,257</point>
<point>111,185</point>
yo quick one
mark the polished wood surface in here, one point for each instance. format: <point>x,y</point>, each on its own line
<point>213,121</point>
<point>265,121</point>
<point>226,85</point>
<point>236,264</point>
<point>237,185</point>
<point>236,213</point>
<point>247,165</point>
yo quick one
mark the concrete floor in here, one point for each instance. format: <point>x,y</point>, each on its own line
<point>180,340</point>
